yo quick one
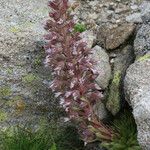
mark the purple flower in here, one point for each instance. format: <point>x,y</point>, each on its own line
<point>73,71</point>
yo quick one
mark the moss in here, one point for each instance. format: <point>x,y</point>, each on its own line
<point>9,70</point>
<point>145,57</point>
<point>116,79</point>
<point>30,78</point>
<point>5,91</point>
<point>38,61</point>
<point>113,99</point>
<point>32,82</point>
<point>3,116</point>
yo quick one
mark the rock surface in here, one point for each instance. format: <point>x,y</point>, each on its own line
<point>21,25</point>
<point>136,83</point>
<point>145,11</point>
<point>134,18</point>
<point>124,57</point>
<point>121,59</point>
<point>104,70</point>
<point>137,90</point>
<point>113,38</point>
<point>141,16</point>
<point>24,92</point>
<point>145,7</point>
<point>89,37</point>
<point>102,66</point>
<point>142,41</point>
<point>107,12</point>
<point>100,110</point>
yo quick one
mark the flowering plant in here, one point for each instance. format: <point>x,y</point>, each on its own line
<point>73,72</point>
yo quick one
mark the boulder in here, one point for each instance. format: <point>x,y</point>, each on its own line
<point>21,25</point>
<point>123,58</point>
<point>145,7</point>
<point>89,37</point>
<point>100,110</point>
<point>137,91</point>
<point>102,66</point>
<point>104,70</point>
<point>102,60</point>
<point>113,38</point>
<point>145,11</point>
<point>143,16</point>
<point>142,41</point>
<point>23,78</point>
<point>146,18</point>
<point>134,18</point>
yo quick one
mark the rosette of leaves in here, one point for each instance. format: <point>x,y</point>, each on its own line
<point>127,139</point>
<point>73,72</point>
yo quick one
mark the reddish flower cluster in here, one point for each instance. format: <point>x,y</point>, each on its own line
<point>73,72</point>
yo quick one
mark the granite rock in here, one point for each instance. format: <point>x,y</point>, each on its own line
<point>137,91</point>
<point>142,41</point>
<point>113,38</point>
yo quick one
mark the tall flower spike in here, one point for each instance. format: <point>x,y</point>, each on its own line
<point>73,72</point>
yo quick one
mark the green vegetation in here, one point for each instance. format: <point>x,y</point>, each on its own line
<point>127,134</point>
<point>14,99</point>
<point>79,28</point>
<point>22,139</point>
<point>5,91</point>
<point>30,78</point>
<point>116,79</point>
<point>10,70</point>
<point>3,116</point>
<point>113,100</point>
<point>47,137</point>
<point>38,61</point>
<point>145,57</point>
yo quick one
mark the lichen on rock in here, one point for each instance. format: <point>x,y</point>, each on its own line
<point>143,58</point>
<point>113,99</point>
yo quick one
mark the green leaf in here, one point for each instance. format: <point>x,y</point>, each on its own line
<point>53,147</point>
<point>126,127</point>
